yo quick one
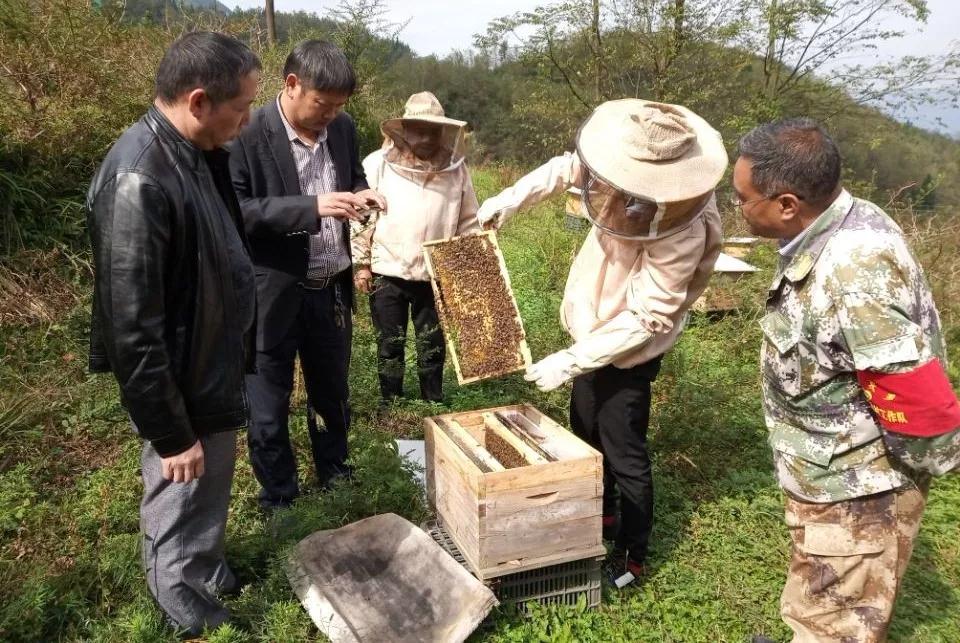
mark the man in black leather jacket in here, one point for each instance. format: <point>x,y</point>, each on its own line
<point>174,312</point>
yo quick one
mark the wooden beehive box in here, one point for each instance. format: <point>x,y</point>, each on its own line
<point>573,211</point>
<point>739,247</point>
<point>514,489</point>
<point>723,293</point>
<point>478,312</point>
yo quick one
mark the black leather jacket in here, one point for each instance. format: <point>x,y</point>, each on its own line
<point>164,304</point>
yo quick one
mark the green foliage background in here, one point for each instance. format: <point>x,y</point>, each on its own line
<point>69,481</point>
<point>75,75</point>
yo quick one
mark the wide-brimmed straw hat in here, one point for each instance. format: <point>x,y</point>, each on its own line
<point>663,152</point>
<point>421,107</point>
<point>450,144</point>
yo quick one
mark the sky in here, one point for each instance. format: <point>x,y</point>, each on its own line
<point>437,27</point>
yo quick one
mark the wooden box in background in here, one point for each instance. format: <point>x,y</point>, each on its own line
<point>573,211</point>
<point>739,247</point>
<point>724,293</point>
<point>514,489</point>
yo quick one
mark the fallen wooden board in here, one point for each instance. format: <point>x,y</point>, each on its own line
<point>384,579</point>
<point>494,330</point>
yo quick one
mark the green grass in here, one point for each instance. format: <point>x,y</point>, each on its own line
<point>69,486</point>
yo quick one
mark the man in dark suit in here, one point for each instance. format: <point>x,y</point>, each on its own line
<point>297,172</point>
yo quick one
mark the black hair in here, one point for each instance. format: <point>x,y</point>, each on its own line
<point>322,66</point>
<point>794,155</point>
<point>212,61</point>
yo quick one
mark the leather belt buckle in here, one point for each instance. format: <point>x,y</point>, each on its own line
<point>316,284</point>
<point>320,284</point>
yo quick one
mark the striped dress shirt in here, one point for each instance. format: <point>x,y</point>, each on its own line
<point>328,247</point>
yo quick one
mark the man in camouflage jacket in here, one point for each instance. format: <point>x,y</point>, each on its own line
<point>856,398</point>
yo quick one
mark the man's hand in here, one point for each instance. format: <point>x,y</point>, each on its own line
<point>363,280</point>
<point>183,467</point>
<point>552,371</point>
<point>341,205</point>
<point>373,199</point>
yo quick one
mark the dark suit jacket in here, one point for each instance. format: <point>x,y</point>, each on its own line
<point>278,218</point>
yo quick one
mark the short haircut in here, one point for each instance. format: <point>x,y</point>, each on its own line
<point>211,61</point>
<point>794,155</point>
<point>322,66</point>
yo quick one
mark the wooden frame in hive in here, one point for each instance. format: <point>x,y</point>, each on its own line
<point>450,287</point>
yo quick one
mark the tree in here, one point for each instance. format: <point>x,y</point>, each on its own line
<point>603,50</point>
<point>803,44</point>
<point>925,196</point>
<point>369,38</point>
<point>271,23</point>
<point>578,53</point>
<point>737,62</point>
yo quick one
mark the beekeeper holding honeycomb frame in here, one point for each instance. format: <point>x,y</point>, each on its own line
<point>647,172</point>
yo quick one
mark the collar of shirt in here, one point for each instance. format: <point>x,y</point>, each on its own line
<point>292,133</point>
<point>789,247</point>
<point>803,250</point>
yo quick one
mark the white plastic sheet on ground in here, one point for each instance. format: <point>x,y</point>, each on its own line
<point>415,452</point>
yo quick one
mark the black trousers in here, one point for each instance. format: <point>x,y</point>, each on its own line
<point>610,410</point>
<point>393,303</point>
<point>321,335</point>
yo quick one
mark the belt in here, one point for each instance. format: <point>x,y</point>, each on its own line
<point>320,284</point>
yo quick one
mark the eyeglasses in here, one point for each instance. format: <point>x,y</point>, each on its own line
<point>737,203</point>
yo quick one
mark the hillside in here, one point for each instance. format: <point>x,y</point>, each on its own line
<point>70,486</point>
<point>160,9</point>
<point>69,480</point>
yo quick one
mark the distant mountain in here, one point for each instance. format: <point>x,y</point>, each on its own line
<point>156,9</point>
<point>209,5</point>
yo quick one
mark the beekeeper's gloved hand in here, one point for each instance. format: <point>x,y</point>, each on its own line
<point>490,215</point>
<point>553,371</point>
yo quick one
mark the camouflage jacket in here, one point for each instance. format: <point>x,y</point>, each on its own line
<point>851,297</point>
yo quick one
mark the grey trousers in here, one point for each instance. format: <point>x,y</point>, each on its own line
<point>183,527</point>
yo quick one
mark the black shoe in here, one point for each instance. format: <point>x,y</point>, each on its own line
<point>230,590</point>
<point>339,473</point>
<point>431,396</point>
<point>386,405</point>
<point>622,571</point>
<point>278,520</point>
<point>268,511</point>
<point>228,586</point>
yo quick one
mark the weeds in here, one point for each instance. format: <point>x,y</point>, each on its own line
<point>69,481</point>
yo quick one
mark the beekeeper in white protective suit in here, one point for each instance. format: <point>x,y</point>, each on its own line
<point>420,171</point>
<point>647,172</point>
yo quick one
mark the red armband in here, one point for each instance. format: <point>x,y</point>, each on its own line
<point>920,402</point>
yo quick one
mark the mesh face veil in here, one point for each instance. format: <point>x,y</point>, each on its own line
<point>424,146</point>
<point>647,169</point>
<point>620,213</point>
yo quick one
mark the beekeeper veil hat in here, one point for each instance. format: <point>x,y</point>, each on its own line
<point>648,167</point>
<point>424,138</point>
